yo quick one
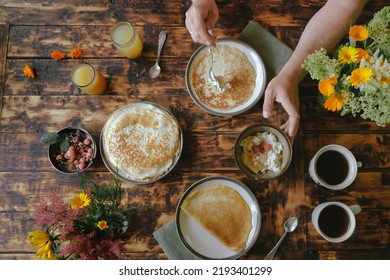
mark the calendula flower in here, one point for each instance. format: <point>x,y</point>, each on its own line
<point>102,225</point>
<point>385,80</point>
<point>40,239</point>
<point>360,75</point>
<point>326,87</point>
<point>334,103</point>
<point>28,71</point>
<point>362,53</point>
<point>57,55</point>
<point>79,201</point>
<point>76,53</point>
<point>348,55</point>
<point>358,33</point>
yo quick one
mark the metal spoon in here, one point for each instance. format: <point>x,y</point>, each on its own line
<point>156,69</point>
<point>289,226</point>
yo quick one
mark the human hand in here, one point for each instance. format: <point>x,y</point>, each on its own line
<point>200,20</point>
<point>284,91</point>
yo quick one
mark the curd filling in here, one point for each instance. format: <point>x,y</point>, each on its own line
<point>262,152</point>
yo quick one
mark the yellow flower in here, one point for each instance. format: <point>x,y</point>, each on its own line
<point>348,55</point>
<point>76,53</point>
<point>28,71</point>
<point>334,103</point>
<point>358,32</point>
<point>385,80</point>
<point>102,225</point>
<point>360,75</point>
<point>362,53</point>
<point>57,55</point>
<point>79,201</point>
<point>40,239</point>
<point>326,87</point>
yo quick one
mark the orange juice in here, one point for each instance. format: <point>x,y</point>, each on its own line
<point>126,40</point>
<point>88,79</point>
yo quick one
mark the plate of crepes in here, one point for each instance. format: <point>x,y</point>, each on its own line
<point>141,142</point>
<point>238,66</point>
<point>218,218</point>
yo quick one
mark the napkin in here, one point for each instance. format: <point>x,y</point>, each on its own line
<point>171,244</point>
<point>272,51</point>
<point>274,54</point>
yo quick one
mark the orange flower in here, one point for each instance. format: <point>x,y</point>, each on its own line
<point>334,103</point>
<point>76,53</point>
<point>326,87</point>
<point>28,71</point>
<point>57,55</point>
<point>362,53</point>
<point>358,32</point>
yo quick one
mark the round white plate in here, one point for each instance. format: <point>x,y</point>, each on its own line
<point>202,243</point>
<point>253,58</point>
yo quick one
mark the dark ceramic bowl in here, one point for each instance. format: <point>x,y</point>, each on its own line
<point>280,136</point>
<point>54,150</point>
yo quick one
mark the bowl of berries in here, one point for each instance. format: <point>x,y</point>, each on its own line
<point>71,150</point>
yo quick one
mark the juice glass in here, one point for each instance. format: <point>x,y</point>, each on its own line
<point>126,40</point>
<point>88,79</point>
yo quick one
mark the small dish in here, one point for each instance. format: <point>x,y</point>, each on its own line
<point>62,163</point>
<point>202,243</point>
<point>280,137</point>
<point>255,61</point>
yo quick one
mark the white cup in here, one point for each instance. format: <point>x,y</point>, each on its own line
<point>333,167</point>
<point>335,221</point>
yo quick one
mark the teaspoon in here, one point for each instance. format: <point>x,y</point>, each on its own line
<point>156,69</point>
<point>289,226</point>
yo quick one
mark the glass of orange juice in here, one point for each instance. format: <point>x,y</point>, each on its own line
<point>88,79</point>
<point>126,40</point>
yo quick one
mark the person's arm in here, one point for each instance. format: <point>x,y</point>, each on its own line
<point>325,30</point>
<point>200,20</point>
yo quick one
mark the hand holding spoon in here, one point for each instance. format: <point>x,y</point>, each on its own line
<point>156,69</point>
<point>289,226</point>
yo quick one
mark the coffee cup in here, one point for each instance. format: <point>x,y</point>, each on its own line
<point>335,221</point>
<point>333,167</point>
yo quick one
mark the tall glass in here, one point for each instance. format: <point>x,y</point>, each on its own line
<point>88,79</point>
<point>126,40</point>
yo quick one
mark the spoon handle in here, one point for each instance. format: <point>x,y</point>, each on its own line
<point>161,40</point>
<point>271,254</point>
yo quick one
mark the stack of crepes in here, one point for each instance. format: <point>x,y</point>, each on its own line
<point>223,212</point>
<point>142,141</point>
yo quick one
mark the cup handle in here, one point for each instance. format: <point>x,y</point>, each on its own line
<point>359,164</point>
<point>355,209</point>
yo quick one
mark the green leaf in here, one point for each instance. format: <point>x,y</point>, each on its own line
<point>64,144</point>
<point>50,138</point>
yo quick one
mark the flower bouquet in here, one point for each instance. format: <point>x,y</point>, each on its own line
<point>92,225</point>
<point>357,79</point>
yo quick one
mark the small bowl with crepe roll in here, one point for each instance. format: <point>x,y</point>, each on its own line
<point>218,218</point>
<point>263,152</point>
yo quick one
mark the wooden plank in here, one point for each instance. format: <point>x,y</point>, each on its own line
<point>372,231</point>
<point>373,150</point>
<point>371,190</point>
<point>40,41</point>
<point>367,254</point>
<point>4,29</point>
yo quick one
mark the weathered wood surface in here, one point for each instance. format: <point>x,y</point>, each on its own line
<point>30,30</point>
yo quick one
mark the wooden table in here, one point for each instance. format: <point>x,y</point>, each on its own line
<point>30,30</point>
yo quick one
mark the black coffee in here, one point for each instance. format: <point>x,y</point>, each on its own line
<point>333,221</point>
<point>332,167</point>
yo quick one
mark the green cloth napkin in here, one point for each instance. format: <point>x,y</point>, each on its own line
<point>274,54</point>
<point>272,51</point>
<point>171,244</point>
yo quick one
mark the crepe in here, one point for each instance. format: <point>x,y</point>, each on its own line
<point>142,141</point>
<point>236,70</point>
<point>221,211</point>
